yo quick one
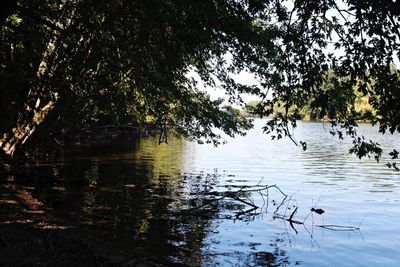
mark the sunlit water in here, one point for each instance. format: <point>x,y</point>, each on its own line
<point>154,201</point>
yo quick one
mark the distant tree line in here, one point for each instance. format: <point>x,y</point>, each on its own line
<point>363,109</point>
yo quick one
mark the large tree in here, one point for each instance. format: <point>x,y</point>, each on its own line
<point>76,63</point>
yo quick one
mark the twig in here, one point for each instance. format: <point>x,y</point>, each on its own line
<point>245,202</point>
<point>245,212</point>
<point>334,227</point>
<point>291,215</point>
<point>275,186</point>
<point>280,205</point>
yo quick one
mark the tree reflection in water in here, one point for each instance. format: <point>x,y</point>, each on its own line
<point>135,199</point>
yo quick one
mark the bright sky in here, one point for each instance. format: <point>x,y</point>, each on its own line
<point>243,78</point>
<point>248,79</point>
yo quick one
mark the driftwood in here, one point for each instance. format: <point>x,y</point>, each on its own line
<point>243,196</point>
<point>240,196</point>
<point>334,227</point>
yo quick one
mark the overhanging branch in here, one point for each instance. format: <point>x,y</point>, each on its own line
<point>43,20</point>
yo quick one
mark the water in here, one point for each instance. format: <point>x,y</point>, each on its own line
<point>152,200</point>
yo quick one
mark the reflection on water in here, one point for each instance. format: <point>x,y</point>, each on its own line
<point>152,200</point>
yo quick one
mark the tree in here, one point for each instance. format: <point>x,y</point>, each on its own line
<point>78,63</point>
<point>329,50</point>
<point>86,61</point>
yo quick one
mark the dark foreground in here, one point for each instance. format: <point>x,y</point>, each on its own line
<point>32,235</point>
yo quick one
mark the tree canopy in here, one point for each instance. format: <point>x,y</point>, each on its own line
<point>68,64</point>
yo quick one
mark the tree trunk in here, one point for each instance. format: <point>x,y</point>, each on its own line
<point>24,130</point>
<point>34,110</point>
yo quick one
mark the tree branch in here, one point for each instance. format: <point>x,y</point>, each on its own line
<point>45,21</point>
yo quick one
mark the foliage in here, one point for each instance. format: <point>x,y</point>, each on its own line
<point>326,56</point>
<point>363,110</point>
<point>67,64</point>
<point>112,62</point>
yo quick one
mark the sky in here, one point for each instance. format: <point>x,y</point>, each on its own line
<point>248,79</point>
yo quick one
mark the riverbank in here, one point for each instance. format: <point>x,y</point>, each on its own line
<point>107,133</point>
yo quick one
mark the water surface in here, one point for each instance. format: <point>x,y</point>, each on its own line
<point>155,201</point>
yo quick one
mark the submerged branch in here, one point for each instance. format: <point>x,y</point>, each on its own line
<point>242,196</point>
<point>334,227</point>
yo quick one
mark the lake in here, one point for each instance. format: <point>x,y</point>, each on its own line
<point>170,202</point>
